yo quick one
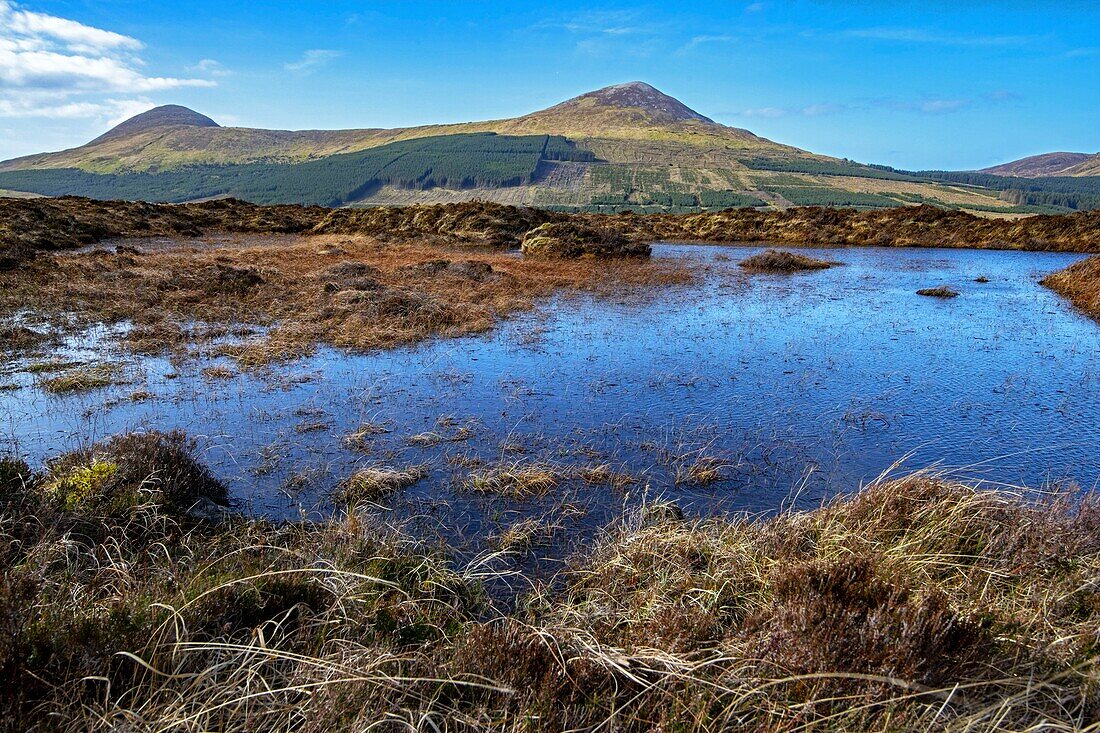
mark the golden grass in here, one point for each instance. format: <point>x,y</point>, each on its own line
<point>81,379</point>
<point>520,480</point>
<point>378,483</point>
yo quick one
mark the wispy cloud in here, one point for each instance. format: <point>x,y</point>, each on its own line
<point>705,39</point>
<point>313,60</point>
<point>56,67</point>
<point>209,67</point>
<point>928,36</point>
<point>602,31</point>
<point>928,106</point>
<point>940,106</point>
<point>766,112</point>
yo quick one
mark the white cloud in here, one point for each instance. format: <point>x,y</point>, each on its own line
<point>765,112</point>
<point>822,109</point>
<point>53,107</point>
<point>312,60</point>
<point>209,67</point>
<point>40,27</point>
<point>603,32</point>
<point>58,68</point>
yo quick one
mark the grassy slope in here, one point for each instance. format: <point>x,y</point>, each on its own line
<point>1090,167</point>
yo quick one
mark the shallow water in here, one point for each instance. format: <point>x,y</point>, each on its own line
<point>800,386</point>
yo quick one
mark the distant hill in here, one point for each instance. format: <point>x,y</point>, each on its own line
<point>1050,164</point>
<point>623,147</point>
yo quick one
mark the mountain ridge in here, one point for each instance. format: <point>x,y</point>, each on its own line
<point>1049,164</point>
<point>172,135</point>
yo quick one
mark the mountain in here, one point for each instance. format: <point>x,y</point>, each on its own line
<point>1050,164</point>
<point>626,146</point>
<point>159,118</point>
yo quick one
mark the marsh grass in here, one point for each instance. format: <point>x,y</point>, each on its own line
<point>372,294</point>
<point>378,483</point>
<point>518,480</point>
<point>219,371</point>
<point>82,379</point>
<point>702,471</point>
<point>49,366</point>
<point>362,437</point>
<point>917,604</point>
<point>20,338</point>
<point>783,262</point>
<point>1080,284</point>
<point>605,474</point>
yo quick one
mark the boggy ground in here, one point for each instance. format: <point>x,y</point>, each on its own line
<point>30,226</point>
<point>285,294</point>
<point>917,604</point>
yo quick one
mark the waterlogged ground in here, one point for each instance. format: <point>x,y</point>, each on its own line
<point>738,392</point>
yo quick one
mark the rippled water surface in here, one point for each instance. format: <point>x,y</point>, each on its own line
<point>795,386</point>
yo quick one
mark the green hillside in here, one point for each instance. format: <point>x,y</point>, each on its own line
<point>455,161</point>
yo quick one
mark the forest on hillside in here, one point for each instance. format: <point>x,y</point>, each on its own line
<point>451,161</point>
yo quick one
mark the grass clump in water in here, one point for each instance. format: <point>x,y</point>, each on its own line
<point>941,291</point>
<point>82,379</point>
<point>519,480</point>
<point>132,470</point>
<point>52,365</point>
<point>783,262</point>
<point>376,484</point>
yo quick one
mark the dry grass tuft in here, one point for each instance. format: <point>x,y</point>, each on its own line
<point>376,484</point>
<point>782,262</point>
<point>941,291</point>
<point>82,379</point>
<point>605,475</point>
<point>520,480</point>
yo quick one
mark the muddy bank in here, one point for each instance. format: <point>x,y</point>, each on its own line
<point>1080,284</point>
<point>28,226</point>
<point>916,226</point>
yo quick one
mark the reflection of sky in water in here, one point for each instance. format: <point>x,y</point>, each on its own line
<point>807,384</point>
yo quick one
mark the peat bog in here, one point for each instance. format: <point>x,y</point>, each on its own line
<point>337,468</point>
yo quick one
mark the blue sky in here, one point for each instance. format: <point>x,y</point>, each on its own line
<point>960,84</point>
